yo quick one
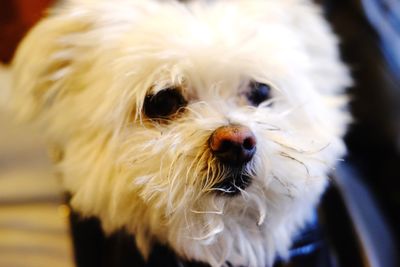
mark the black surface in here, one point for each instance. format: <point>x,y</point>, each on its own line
<point>340,230</point>
<point>92,248</point>
<point>373,138</point>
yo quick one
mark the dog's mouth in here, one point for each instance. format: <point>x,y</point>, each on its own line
<point>235,181</point>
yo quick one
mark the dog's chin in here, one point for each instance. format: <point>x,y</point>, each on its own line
<point>235,181</point>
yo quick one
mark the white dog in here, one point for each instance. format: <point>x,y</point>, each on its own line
<point>207,126</point>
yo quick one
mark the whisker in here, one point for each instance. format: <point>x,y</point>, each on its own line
<point>196,159</point>
<point>283,154</point>
<point>301,151</point>
<point>228,190</point>
<point>218,212</point>
<point>264,125</point>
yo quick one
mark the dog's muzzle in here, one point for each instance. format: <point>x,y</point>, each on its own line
<point>234,146</point>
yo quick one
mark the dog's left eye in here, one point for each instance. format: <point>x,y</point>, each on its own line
<point>259,92</point>
<point>164,104</point>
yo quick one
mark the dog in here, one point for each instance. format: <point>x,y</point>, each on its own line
<point>207,126</point>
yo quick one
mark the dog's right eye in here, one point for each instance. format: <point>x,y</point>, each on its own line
<point>164,104</point>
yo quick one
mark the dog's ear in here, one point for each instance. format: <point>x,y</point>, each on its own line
<point>42,67</point>
<point>54,59</point>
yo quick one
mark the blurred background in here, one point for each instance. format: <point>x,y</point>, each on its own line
<point>34,221</point>
<point>33,218</point>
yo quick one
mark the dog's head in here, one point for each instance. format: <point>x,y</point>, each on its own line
<point>208,127</point>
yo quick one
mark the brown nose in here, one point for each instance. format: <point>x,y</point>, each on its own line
<point>233,144</point>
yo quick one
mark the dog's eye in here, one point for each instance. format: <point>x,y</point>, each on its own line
<point>259,92</point>
<point>164,104</point>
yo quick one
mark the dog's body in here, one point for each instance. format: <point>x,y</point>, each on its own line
<point>142,96</point>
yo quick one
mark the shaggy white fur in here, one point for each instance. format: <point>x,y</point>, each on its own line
<point>83,74</point>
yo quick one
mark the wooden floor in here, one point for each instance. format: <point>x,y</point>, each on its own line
<point>33,220</point>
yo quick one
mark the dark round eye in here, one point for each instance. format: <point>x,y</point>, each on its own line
<point>259,92</point>
<point>163,104</point>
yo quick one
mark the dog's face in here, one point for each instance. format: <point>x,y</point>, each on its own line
<point>208,127</point>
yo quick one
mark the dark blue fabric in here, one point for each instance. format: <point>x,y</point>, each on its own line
<point>308,240</point>
<point>309,249</point>
<point>384,16</point>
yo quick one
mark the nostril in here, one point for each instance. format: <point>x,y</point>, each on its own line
<point>225,146</point>
<point>249,143</point>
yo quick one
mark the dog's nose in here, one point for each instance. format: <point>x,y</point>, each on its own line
<point>233,144</point>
